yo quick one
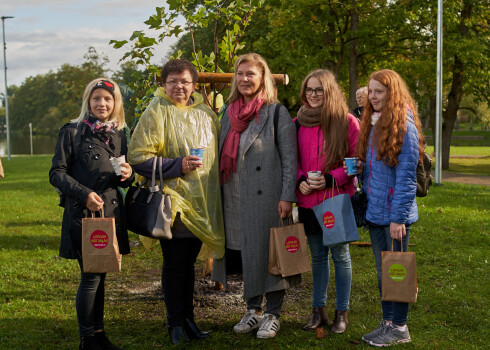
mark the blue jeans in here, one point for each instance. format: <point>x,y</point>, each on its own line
<point>90,302</point>
<point>321,272</point>
<point>381,241</point>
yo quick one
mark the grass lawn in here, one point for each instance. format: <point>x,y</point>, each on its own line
<point>468,160</point>
<point>37,288</point>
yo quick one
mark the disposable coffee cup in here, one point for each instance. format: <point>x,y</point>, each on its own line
<point>315,173</point>
<point>351,164</point>
<point>198,152</point>
<point>117,163</point>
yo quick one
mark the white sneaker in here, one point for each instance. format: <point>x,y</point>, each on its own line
<point>248,322</point>
<point>269,327</point>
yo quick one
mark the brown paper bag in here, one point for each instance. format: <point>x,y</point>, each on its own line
<point>100,251</point>
<point>399,276</point>
<point>288,253</point>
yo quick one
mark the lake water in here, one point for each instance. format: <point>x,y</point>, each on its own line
<point>20,145</point>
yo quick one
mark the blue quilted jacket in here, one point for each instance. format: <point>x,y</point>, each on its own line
<point>391,190</point>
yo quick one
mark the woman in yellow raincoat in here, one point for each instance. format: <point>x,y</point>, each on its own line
<point>176,120</point>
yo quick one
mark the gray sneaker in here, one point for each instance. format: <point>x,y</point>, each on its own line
<point>248,322</point>
<point>392,335</point>
<point>380,329</point>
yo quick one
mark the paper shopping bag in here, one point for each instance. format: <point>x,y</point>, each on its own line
<point>288,253</point>
<point>399,276</point>
<point>100,251</point>
<point>336,218</point>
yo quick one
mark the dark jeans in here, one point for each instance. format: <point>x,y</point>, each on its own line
<point>381,241</point>
<point>179,256</point>
<point>90,302</point>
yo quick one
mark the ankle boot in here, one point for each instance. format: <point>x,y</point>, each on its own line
<point>177,335</point>
<point>340,322</point>
<point>318,319</point>
<point>193,331</point>
<point>88,343</point>
<point>104,343</point>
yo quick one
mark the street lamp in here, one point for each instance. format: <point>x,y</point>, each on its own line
<point>6,94</point>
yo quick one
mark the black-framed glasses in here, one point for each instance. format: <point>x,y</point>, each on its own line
<point>317,91</point>
<point>176,82</point>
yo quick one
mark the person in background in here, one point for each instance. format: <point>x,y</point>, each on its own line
<point>176,120</point>
<point>2,175</point>
<point>327,134</point>
<point>83,174</point>
<point>361,98</point>
<point>389,148</point>
<point>258,164</point>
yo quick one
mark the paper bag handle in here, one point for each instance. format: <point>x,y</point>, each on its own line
<point>401,245</point>
<point>334,184</point>
<point>289,221</point>
<point>101,215</point>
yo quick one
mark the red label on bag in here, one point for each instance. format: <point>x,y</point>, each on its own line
<point>99,239</point>
<point>328,220</point>
<point>292,244</point>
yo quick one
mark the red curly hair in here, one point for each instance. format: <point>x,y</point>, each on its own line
<point>390,128</point>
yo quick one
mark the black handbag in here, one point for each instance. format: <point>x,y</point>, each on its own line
<point>359,204</point>
<point>149,210</point>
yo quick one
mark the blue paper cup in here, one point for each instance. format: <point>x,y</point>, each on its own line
<point>351,164</point>
<point>198,152</point>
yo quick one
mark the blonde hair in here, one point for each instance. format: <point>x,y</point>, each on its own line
<point>268,85</point>
<point>391,127</point>
<point>334,118</point>
<point>117,113</point>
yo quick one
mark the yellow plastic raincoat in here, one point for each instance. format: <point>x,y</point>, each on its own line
<point>168,129</point>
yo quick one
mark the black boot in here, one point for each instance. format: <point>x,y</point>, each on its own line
<point>177,335</point>
<point>88,343</point>
<point>193,330</point>
<point>104,343</point>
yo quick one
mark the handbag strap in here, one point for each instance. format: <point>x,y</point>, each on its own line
<point>154,187</point>
<point>160,170</point>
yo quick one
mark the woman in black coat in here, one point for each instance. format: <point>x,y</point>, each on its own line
<point>82,172</point>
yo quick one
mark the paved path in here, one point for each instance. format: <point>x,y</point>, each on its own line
<point>464,178</point>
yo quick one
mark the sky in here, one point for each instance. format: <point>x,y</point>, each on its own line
<point>45,34</point>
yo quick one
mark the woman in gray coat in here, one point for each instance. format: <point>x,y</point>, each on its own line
<point>258,166</point>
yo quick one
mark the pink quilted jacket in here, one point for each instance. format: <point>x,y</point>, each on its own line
<point>310,141</point>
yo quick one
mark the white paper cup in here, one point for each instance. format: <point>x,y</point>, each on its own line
<point>117,163</point>
<point>316,173</point>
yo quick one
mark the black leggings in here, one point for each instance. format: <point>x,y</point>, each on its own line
<point>90,302</point>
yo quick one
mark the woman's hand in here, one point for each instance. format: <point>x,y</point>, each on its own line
<point>94,202</point>
<point>360,167</point>
<point>285,209</point>
<point>397,231</point>
<point>190,163</point>
<point>304,188</point>
<point>317,183</point>
<point>126,171</point>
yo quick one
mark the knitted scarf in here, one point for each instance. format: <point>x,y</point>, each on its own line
<point>309,117</point>
<point>240,114</point>
<point>103,130</point>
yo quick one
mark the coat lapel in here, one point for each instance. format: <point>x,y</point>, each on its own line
<point>255,127</point>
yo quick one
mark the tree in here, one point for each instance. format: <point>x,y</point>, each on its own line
<point>226,17</point>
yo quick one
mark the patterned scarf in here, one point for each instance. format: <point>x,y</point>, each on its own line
<point>309,117</point>
<point>240,114</point>
<point>103,130</point>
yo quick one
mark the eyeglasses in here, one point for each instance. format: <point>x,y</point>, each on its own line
<point>175,82</point>
<point>317,91</point>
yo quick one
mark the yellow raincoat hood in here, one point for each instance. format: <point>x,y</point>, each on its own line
<point>168,129</point>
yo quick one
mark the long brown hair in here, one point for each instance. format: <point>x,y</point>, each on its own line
<point>391,127</point>
<point>334,117</point>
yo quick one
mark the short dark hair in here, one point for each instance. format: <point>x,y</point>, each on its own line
<point>178,66</point>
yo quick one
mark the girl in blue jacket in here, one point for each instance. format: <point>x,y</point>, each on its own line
<point>390,145</point>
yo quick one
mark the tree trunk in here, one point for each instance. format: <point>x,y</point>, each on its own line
<point>454,97</point>
<point>353,70</point>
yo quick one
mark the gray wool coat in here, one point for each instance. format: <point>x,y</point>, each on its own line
<point>267,175</point>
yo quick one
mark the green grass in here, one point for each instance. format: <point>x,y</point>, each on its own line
<point>468,160</point>
<point>37,288</point>
<point>462,138</point>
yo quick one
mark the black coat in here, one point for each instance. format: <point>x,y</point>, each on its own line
<point>78,172</point>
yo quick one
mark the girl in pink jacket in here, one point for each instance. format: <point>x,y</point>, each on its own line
<point>327,133</point>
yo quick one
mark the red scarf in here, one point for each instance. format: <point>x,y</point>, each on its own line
<point>240,114</point>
